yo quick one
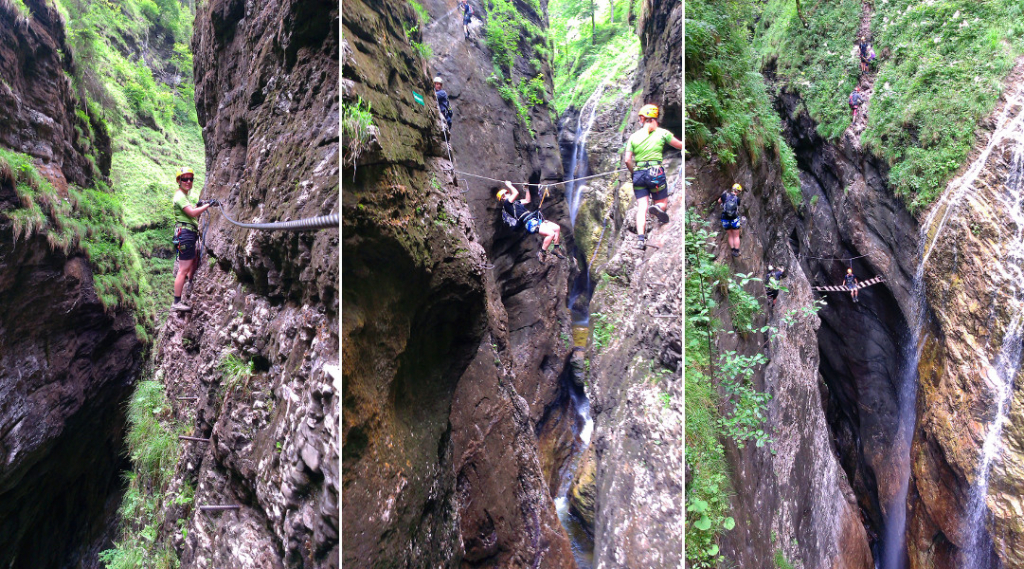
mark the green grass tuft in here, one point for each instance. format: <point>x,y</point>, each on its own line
<point>728,111</point>
<point>940,71</point>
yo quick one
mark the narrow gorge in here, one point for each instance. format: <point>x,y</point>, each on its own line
<point>888,419</point>
<point>135,436</point>
<point>476,370</point>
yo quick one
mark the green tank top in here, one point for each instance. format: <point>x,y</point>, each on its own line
<point>180,201</point>
<point>648,146</point>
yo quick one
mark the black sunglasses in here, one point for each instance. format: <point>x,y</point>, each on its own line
<point>188,179</point>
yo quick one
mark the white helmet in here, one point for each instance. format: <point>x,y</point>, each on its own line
<point>438,80</point>
<point>771,268</point>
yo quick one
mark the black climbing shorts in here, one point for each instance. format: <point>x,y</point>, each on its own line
<point>467,19</point>
<point>187,244</point>
<point>650,181</point>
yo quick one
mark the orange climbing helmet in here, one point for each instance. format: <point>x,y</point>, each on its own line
<point>649,111</point>
<point>182,172</point>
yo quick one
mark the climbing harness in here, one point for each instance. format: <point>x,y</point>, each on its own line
<point>843,288</point>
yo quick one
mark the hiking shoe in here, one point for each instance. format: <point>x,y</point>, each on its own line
<point>735,252</point>
<point>542,256</point>
<point>657,211</point>
<point>181,307</point>
<point>641,242</point>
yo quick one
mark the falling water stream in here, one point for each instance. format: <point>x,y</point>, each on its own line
<point>579,305</point>
<point>1001,374</point>
<point>1009,129</point>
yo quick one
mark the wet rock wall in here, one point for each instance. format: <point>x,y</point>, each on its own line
<point>66,362</point>
<point>266,95</point>
<point>441,333</point>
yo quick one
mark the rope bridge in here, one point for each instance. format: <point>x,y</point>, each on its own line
<point>860,285</point>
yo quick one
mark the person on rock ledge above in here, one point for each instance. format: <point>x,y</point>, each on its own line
<point>186,233</point>
<point>442,102</point>
<point>467,15</point>
<point>515,215</point>
<point>730,202</point>
<point>866,54</point>
<point>772,282</point>
<point>644,150</point>
<point>856,100</point>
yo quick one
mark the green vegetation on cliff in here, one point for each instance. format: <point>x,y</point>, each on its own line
<point>941,68</point>
<point>721,402</point>
<point>592,45</point>
<point>507,31</point>
<point>728,111</point>
<point>133,64</point>
<point>153,446</point>
<point>86,220</point>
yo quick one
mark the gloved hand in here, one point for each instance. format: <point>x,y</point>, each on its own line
<point>200,203</point>
<point>215,203</point>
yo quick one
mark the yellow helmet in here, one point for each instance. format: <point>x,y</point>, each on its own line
<point>182,172</point>
<point>649,111</point>
<point>501,194</point>
<point>737,188</point>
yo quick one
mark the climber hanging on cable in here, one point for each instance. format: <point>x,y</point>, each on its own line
<point>644,150</point>
<point>730,202</point>
<point>772,282</point>
<point>442,102</point>
<point>850,282</point>
<point>515,215</point>
<point>467,15</point>
<point>186,233</point>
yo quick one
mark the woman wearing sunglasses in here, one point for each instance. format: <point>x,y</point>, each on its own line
<point>186,233</point>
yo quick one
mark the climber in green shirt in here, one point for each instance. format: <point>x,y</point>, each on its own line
<point>644,150</point>
<point>186,233</point>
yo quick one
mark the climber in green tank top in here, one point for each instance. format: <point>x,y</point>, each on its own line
<point>186,233</point>
<point>643,160</point>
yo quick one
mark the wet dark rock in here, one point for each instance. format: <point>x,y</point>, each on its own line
<point>66,362</point>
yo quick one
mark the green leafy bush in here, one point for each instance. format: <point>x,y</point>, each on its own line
<point>728,111</point>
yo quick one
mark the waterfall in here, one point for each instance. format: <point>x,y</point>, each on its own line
<point>578,164</point>
<point>951,198</point>
<point>894,554</point>
<point>580,540</point>
<point>1000,376</point>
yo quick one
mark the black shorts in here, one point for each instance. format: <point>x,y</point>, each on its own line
<point>650,181</point>
<point>187,244</point>
<point>467,19</point>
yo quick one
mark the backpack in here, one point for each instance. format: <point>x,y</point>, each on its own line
<point>854,99</point>
<point>730,207</point>
<point>469,10</point>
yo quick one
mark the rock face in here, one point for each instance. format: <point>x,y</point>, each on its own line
<point>451,325</point>
<point>266,95</point>
<point>636,388</point>
<point>66,363</point>
<point>38,103</point>
<point>970,397</point>
<point>844,373</point>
